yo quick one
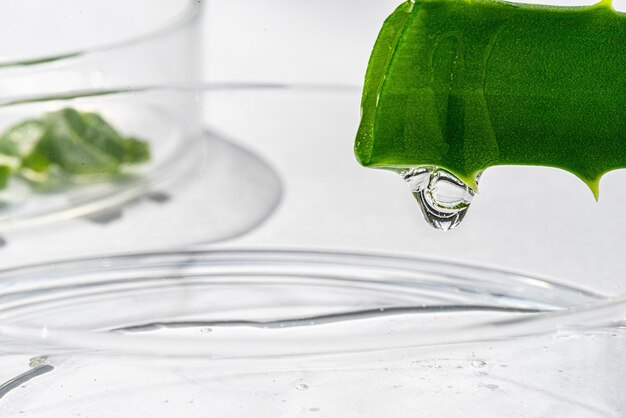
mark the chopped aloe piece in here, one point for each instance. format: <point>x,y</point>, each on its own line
<point>67,142</point>
<point>17,148</point>
<point>464,85</point>
<point>5,175</point>
<point>135,151</point>
<point>21,139</point>
<point>66,145</point>
<point>37,160</point>
<point>99,133</point>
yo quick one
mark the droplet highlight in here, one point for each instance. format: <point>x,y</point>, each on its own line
<point>442,197</point>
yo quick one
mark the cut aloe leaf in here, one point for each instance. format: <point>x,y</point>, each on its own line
<point>96,131</point>
<point>135,151</point>
<point>65,145</point>
<point>464,85</point>
<point>21,139</point>
<point>5,176</point>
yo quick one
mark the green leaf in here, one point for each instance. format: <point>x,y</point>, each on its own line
<point>135,151</point>
<point>5,175</point>
<point>98,132</point>
<point>16,143</point>
<point>71,142</point>
<point>22,138</point>
<point>65,144</point>
<point>469,84</point>
<point>37,160</point>
<point>380,61</point>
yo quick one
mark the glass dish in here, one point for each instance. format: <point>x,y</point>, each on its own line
<point>68,45</point>
<point>197,187</point>
<point>285,333</point>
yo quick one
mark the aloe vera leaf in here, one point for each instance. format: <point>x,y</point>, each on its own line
<point>469,84</point>
<point>63,145</point>
<point>21,139</point>
<point>135,151</point>
<point>5,175</point>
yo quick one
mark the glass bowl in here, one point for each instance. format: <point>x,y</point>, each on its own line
<point>302,333</point>
<point>68,45</point>
<point>198,186</point>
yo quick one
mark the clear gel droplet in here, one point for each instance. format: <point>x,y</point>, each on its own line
<point>442,197</point>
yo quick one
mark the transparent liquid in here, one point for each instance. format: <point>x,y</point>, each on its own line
<point>442,197</point>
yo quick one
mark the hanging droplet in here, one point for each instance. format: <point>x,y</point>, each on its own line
<point>442,197</point>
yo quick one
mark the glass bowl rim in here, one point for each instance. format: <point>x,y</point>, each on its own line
<point>181,88</point>
<point>191,13</point>
<point>592,311</point>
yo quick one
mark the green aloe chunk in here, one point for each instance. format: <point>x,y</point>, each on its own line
<point>18,147</point>
<point>65,144</point>
<point>67,141</point>
<point>5,175</point>
<point>95,131</point>
<point>464,85</point>
<point>21,139</point>
<point>135,151</point>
